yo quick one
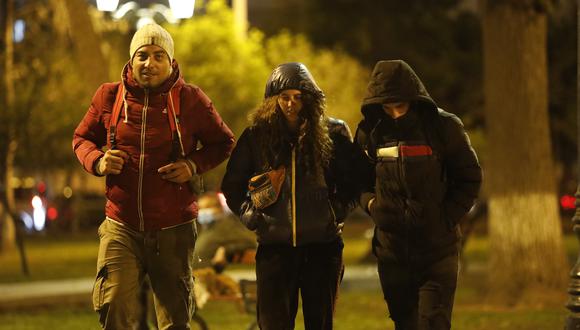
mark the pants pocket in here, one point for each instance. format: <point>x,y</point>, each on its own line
<point>188,284</point>
<point>99,288</point>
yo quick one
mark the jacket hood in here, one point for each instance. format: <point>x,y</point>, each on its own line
<point>394,81</point>
<point>131,84</point>
<point>292,75</point>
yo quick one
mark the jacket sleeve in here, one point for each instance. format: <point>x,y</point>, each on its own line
<point>350,163</point>
<point>462,170</point>
<point>367,171</point>
<point>90,136</point>
<point>216,138</point>
<point>238,172</point>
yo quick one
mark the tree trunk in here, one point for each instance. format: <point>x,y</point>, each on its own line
<point>75,20</point>
<point>8,149</point>
<point>526,251</point>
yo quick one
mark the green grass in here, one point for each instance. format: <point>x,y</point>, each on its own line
<point>60,257</point>
<point>52,257</point>
<point>477,248</point>
<point>54,318</point>
<point>355,310</point>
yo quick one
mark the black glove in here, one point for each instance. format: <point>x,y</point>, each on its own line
<point>249,215</point>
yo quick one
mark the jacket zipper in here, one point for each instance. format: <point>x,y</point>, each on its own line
<point>142,162</point>
<point>294,196</point>
<point>403,182</point>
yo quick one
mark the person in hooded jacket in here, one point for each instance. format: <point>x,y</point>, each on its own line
<point>426,177</point>
<point>151,155</point>
<point>299,236</point>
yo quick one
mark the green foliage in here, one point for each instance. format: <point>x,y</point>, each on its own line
<point>233,71</point>
<point>342,78</point>
<point>230,70</point>
<point>50,92</point>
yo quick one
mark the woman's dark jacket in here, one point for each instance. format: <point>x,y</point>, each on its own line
<point>322,201</point>
<point>426,175</point>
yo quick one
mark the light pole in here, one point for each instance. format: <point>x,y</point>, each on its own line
<point>573,304</point>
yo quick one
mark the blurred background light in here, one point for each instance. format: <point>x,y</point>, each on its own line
<point>568,202</point>
<point>27,220</point>
<point>182,8</point>
<point>19,29</point>
<point>107,5</point>
<point>39,213</point>
<point>67,192</point>
<point>52,213</point>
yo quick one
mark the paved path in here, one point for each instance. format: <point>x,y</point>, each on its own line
<point>78,291</point>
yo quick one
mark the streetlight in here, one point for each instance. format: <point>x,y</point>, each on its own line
<point>107,5</point>
<point>177,10</point>
<point>182,9</point>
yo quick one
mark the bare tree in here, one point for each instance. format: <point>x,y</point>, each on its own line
<point>527,256</point>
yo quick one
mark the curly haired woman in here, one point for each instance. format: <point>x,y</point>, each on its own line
<point>299,235</point>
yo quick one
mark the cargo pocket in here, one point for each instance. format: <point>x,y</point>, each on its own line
<point>99,288</point>
<point>187,283</point>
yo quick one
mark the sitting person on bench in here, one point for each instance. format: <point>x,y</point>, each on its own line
<point>222,237</point>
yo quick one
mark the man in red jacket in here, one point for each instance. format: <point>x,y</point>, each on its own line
<point>150,124</point>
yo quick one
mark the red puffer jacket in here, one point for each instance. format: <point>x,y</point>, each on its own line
<point>138,196</point>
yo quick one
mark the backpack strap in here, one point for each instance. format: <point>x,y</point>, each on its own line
<point>116,113</point>
<point>173,112</point>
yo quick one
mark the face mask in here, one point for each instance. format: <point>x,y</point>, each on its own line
<point>206,216</point>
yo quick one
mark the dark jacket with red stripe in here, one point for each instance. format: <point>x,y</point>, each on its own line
<point>426,175</point>
<point>138,196</point>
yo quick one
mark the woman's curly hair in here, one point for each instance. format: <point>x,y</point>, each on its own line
<point>314,143</point>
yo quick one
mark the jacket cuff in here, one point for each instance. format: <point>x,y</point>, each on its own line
<point>192,166</point>
<point>91,160</point>
<point>96,167</point>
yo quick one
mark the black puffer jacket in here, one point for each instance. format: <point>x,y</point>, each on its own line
<point>426,175</point>
<point>322,203</point>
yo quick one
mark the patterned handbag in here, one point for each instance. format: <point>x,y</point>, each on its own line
<point>265,188</point>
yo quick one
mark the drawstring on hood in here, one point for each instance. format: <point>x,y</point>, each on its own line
<point>125,106</point>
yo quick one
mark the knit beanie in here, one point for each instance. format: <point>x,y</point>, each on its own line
<point>152,34</point>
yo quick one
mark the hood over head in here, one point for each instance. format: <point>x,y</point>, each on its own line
<point>394,81</point>
<point>293,75</point>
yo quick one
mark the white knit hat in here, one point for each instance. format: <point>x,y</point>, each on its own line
<point>152,34</point>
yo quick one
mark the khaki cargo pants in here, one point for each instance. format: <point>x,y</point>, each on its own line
<point>126,257</point>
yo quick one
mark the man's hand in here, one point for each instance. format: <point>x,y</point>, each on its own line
<point>112,162</point>
<point>178,172</point>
